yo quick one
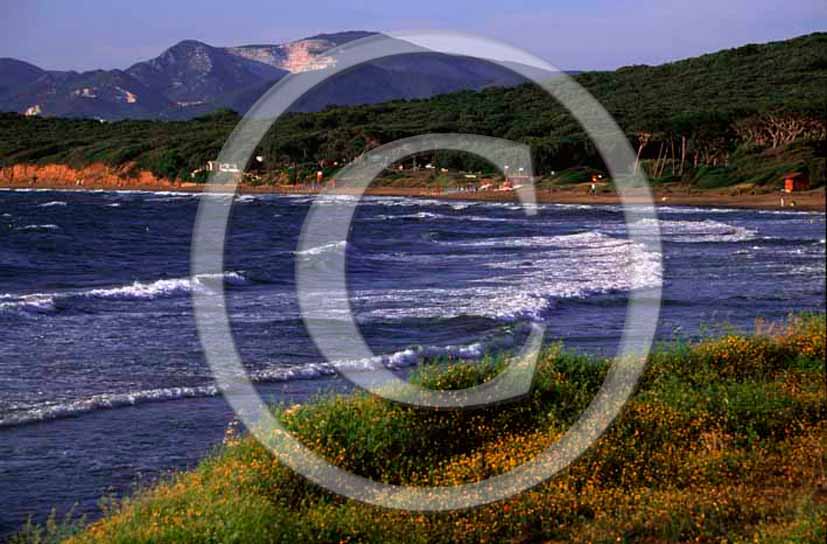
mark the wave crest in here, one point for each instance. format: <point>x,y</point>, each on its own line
<point>38,228</point>
<point>41,303</point>
<point>706,231</point>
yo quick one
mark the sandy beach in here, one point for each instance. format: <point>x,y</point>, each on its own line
<point>813,200</point>
<point>101,177</point>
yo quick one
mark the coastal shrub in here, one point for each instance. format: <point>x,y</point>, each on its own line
<point>817,168</point>
<point>53,531</point>
<point>723,441</point>
<point>735,356</point>
<point>803,335</point>
<point>713,177</point>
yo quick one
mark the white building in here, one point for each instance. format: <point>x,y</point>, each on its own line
<point>215,166</point>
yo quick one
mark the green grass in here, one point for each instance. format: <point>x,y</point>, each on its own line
<point>725,440</point>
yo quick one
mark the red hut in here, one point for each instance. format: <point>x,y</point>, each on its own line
<point>796,181</point>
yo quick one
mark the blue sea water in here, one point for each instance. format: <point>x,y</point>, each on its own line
<point>103,384</point>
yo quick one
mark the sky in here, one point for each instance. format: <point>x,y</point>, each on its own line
<point>573,35</point>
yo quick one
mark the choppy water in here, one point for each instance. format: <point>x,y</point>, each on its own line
<point>102,379</point>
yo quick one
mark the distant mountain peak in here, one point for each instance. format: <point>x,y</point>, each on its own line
<point>191,78</point>
<point>190,43</point>
<point>194,53</point>
<point>339,38</point>
<point>299,55</point>
<point>17,73</point>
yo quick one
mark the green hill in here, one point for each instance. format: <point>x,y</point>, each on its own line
<point>740,115</point>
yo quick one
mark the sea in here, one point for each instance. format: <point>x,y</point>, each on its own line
<point>103,382</point>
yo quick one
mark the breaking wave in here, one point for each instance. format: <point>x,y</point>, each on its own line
<point>706,231</point>
<point>525,281</point>
<point>432,215</point>
<point>332,247</point>
<point>408,357</point>
<point>57,410</point>
<point>38,228</point>
<point>165,288</point>
<point>33,304</point>
<point>42,303</point>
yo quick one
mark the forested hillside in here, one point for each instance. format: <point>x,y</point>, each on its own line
<point>742,115</point>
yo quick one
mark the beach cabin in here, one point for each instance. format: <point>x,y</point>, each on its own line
<point>796,181</point>
<point>215,166</point>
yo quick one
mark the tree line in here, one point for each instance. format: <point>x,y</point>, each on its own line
<point>744,114</point>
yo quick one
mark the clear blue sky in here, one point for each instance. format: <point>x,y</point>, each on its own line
<point>584,34</point>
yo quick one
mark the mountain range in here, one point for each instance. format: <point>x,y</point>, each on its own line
<point>192,78</point>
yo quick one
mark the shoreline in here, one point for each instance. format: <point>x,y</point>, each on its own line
<point>809,201</point>
<point>97,177</point>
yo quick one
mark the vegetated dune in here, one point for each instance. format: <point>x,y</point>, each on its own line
<point>725,438</point>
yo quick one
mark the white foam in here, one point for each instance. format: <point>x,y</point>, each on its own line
<point>108,191</point>
<point>407,357</point>
<point>504,205</point>
<point>433,215</point>
<point>55,410</point>
<point>399,201</point>
<point>171,197</point>
<point>528,276</point>
<point>290,373</point>
<point>418,215</point>
<point>148,291</point>
<point>582,239</point>
<point>145,192</point>
<point>666,210</point>
<point>35,303</point>
<point>39,228</point>
<point>52,204</point>
<point>321,250</point>
<point>675,210</point>
<point>164,288</point>
<point>575,206</point>
<point>331,200</point>
<point>706,231</point>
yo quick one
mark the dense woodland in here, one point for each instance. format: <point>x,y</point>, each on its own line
<point>744,115</point>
